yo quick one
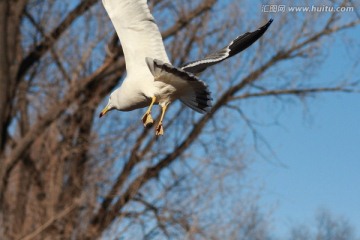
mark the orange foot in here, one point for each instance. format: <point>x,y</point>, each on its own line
<point>147,120</point>
<point>159,129</point>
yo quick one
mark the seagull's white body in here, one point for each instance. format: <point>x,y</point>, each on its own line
<point>151,79</point>
<point>140,39</point>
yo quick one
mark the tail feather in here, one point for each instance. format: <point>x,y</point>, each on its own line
<point>200,101</point>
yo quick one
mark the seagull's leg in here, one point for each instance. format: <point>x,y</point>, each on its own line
<point>159,127</point>
<point>147,119</point>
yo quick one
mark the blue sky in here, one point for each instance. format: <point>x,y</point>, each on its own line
<point>320,151</point>
<point>322,162</point>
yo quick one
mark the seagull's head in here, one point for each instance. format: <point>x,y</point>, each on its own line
<point>112,104</point>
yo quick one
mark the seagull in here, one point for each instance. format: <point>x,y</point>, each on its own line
<point>151,79</point>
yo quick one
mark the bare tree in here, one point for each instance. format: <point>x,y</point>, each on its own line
<point>328,227</point>
<point>65,175</point>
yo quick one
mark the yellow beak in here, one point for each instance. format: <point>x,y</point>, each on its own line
<point>104,111</point>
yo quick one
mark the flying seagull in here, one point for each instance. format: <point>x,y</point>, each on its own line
<point>151,79</point>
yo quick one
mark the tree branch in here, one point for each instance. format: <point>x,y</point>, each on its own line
<point>40,49</point>
<point>185,20</point>
<point>39,127</point>
<point>51,221</point>
<point>296,91</point>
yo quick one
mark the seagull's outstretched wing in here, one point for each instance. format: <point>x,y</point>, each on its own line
<point>239,44</point>
<point>139,35</point>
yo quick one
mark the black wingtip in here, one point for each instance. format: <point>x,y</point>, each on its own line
<point>269,23</point>
<point>266,26</point>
